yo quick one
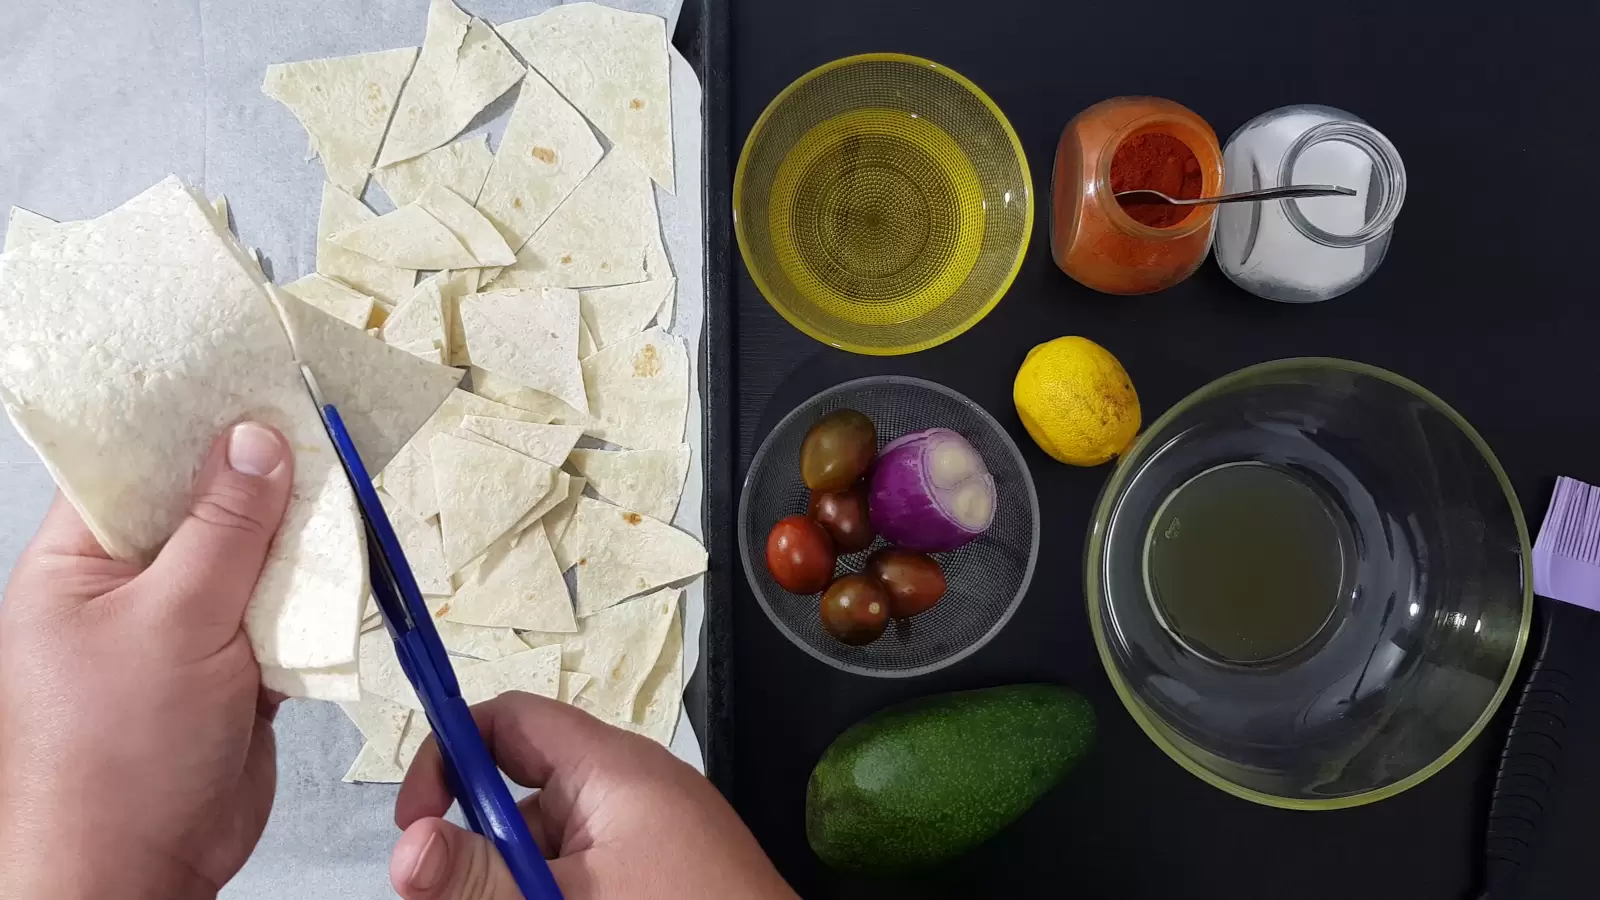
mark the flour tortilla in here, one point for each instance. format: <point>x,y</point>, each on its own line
<point>428,350</point>
<point>572,685</point>
<point>219,211</point>
<point>408,238</point>
<point>585,340</point>
<point>656,708</point>
<point>452,287</point>
<point>383,393</point>
<point>616,313</point>
<point>341,212</point>
<point>381,674</point>
<point>648,481</point>
<point>558,525</point>
<point>512,393</point>
<point>536,671</point>
<point>463,67</point>
<point>409,476</point>
<point>380,722</point>
<point>516,586</point>
<point>24,227</point>
<point>461,167</point>
<point>344,104</point>
<point>475,640</point>
<point>617,648</point>
<point>333,297</point>
<point>420,318</point>
<point>530,336</point>
<point>546,151</point>
<point>600,236</point>
<point>371,766</point>
<point>613,66</point>
<point>524,530</point>
<point>140,337</point>
<point>639,391</point>
<point>482,492</point>
<point>475,232</point>
<point>622,553</point>
<point>422,545</point>
<point>550,444</point>
<point>335,684</point>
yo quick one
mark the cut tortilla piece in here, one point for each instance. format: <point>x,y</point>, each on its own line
<point>550,444</point>
<point>545,153</point>
<point>512,393</point>
<point>335,684</point>
<point>572,685</point>
<point>219,211</point>
<point>452,287</point>
<point>529,336</point>
<point>107,323</point>
<point>558,525</point>
<point>381,674</point>
<point>341,212</point>
<point>516,586</point>
<point>649,481</point>
<point>420,318</point>
<point>613,66</point>
<point>600,236</point>
<point>422,545</point>
<point>463,67</point>
<point>585,340</point>
<point>461,167</point>
<point>428,350</point>
<point>383,393</point>
<point>524,530</point>
<point>656,708</point>
<point>476,641</point>
<point>344,104</point>
<point>24,227</point>
<point>333,297</point>
<point>380,722</point>
<point>614,314</point>
<point>372,767</point>
<point>482,492</point>
<point>475,232</point>
<point>408,238</point>
<point>639,391</point>
<point>409,476</point>
<point>617,648</point>
<point>536,671</point>
<point>622,553</point>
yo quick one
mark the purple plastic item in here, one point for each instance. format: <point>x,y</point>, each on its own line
<point>1566,556</point>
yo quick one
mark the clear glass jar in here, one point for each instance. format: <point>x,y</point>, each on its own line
<point>1304,251</point>
<point>1092,238</point>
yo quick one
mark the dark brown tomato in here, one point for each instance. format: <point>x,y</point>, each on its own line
<point>837,450</point>
<point>855,610</point>
<point>913,581</point>
<point>844,515</point>
<point>800,555</point>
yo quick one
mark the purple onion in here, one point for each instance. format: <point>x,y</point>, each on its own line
<point>931,492</point>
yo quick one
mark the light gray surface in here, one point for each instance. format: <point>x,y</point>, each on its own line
<point>98,101</point>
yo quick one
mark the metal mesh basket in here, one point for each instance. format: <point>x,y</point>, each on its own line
<point>986,579</point>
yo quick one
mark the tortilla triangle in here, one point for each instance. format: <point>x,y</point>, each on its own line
<point>482,492</point>
<point>530,336</point>
<point>344,104</point>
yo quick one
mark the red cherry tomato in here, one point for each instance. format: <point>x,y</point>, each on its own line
<point>913,581</point>
<point>844,515</point>
<point>855,610</point>
<point>800,555</point>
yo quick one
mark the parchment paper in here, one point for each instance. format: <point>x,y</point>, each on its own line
<point>98,101</point>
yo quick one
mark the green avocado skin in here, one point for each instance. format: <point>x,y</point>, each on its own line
<point>925,781</point>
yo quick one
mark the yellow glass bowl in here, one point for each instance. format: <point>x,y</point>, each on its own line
<point>882,204</point>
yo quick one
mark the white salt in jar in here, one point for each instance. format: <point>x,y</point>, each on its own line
<point>1303,251</point>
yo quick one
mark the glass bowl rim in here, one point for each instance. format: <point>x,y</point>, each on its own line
<point>1150,723</point>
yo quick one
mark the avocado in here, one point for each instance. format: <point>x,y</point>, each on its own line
<point>925,781</point>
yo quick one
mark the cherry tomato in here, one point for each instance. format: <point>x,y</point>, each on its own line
<point>844,515</point>
<point>837,450</point>
<point>800,555</point>
<point>913,581</point>
<point>855,610</point>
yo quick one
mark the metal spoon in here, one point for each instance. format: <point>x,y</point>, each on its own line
<point>1277,193</point>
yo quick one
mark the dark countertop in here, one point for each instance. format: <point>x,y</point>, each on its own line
<point>1486,299</point>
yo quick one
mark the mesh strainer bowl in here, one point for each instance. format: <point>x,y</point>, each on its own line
<point>986,579</point>
<point>882,204</point>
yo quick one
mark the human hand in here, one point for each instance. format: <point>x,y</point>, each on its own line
<point>619,817</point>
<point>136,746</point>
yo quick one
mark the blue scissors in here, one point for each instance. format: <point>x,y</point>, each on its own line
<point>469,769</point>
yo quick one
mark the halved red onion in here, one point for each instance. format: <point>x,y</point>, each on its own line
<point>931,492</point>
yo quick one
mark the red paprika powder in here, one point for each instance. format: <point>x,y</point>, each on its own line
<point>1155,162</point>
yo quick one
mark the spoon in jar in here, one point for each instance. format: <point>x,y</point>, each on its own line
<point>1277,193</point>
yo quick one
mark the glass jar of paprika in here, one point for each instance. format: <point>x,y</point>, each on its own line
<point>1123,144</point>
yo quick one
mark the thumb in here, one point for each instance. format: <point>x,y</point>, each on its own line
<point>206,573</point>
<point>435,860</point>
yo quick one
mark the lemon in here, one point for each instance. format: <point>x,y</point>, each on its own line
<point>1076,401</point>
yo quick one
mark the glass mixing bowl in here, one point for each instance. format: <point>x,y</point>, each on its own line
<point>1309,581</point>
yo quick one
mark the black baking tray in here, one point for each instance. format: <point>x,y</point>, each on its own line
<point>1487,298</point>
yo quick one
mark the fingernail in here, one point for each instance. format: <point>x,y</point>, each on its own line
<point>431,864</point>
<point>254,450</point>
